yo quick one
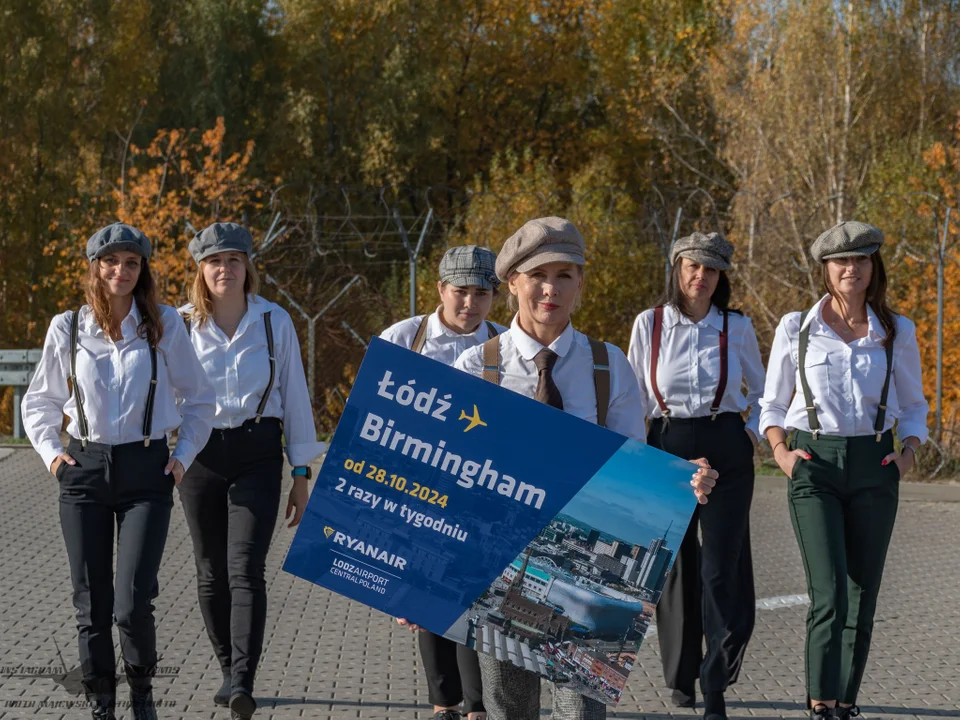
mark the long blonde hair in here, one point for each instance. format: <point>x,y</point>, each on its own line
<point>144,295</point>
<point>202,299</point>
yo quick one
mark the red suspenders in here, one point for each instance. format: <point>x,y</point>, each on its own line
<point>655,360</point>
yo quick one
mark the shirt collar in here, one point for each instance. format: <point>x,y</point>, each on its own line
<point>814,321</point>
<point>436,330</point>
<point>529,347</point>
<point>672,316</point>
<point>128,326</point>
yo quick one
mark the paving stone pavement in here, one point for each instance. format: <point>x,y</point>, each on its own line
<point>329,658</point>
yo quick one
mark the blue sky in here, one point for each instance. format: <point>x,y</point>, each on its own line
<point>636,495</point>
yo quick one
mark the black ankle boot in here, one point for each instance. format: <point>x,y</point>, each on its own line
<point>140,679</point>
<point>822,712</point>
<point>222,697</point>
<point>685,698</point>
<point>844,713</point>
<point>101,693</point>
<point>242,705</point>
<point>714,708</point>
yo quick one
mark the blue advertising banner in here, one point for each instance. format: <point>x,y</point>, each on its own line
<point>495,520</point>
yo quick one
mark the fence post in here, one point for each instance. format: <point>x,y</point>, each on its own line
<point>413,254</point>
<point>941,259</point>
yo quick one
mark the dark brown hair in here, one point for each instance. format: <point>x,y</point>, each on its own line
<point>876,297</point>
<point>144,295</point>
<point>674,295</point>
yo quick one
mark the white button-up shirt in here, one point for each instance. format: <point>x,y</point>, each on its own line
<point>688,371</point>
<point>239,370</point>
<point>440,343</point>
<point>573,375</point>
<point>114,378</point>
<point>845,379</point>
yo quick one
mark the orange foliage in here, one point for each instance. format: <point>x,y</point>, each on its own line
<point>180,180</point>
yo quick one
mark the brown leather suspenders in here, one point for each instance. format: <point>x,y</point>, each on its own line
<point>655,341</point>
<point>420,339</point>
<point>601,372</point>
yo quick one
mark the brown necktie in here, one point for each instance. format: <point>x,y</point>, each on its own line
<point>547,390</point>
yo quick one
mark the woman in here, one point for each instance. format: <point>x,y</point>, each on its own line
<point>855,366</point>
<point>127,359</point>
<point>543,357</point>
<point>692,355</point>
<point>231,495</point>
<point>467,286</point>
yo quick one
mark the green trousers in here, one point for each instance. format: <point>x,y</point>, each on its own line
<point>843,504</point>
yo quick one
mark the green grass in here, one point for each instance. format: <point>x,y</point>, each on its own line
<point>10,440</point>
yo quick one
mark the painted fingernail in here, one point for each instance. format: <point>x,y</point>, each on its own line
<point>885,461</point>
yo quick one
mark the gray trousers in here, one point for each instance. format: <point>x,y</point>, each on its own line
<point>512,693</point>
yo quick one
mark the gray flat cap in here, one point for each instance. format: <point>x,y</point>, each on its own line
<point>847,239</point>
<point>117,237</point>
<point>711,250</point>
<point>469,265</point>
<point>218,238</point>
<point>538,242</point>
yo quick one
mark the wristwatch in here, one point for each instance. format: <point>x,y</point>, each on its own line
<point>303,471</point>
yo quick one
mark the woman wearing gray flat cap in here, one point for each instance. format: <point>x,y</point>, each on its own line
<point>840,375</point>
<point>467,286</point>
<point>543,357</point>
<point>129,363</point>
<point>249,350</point>
<point>693,355</point>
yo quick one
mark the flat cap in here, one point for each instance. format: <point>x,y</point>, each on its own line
<point>469,265</point>
<point>538,242</point>
<point>117,237</point>
<point>220,237</point>
<point>847,239</point>
<point>710,249</point>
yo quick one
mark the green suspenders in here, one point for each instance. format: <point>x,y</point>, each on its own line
<point>811,409</point>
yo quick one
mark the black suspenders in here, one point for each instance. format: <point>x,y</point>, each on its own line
<point>268,328</point>
<point>81,415</point>
<point>811,409</point>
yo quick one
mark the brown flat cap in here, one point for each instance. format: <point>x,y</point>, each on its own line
<point>538,242</point>
<point>847,239</point>
<point>711,250</point>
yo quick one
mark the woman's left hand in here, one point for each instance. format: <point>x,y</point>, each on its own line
<point>903,461</point>
<point>297,502</point>
<point>704,480</point>
<point>176,467</point>
<point>753,438</point>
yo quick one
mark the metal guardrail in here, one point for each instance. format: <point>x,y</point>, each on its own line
<point>16,369</point>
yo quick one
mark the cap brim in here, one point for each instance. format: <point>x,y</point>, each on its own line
<point>857,252</point>
<point>705,258</point>
<point>471,281</point>
<point>127,245</point>
<point>541,259</point>
<point>217,251</point>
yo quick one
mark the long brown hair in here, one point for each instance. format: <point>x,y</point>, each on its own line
<point>144,295</point>
<point>202,299</point>
<point>876,297</point>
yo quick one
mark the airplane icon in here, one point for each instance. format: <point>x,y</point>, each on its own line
<point>474,420</point>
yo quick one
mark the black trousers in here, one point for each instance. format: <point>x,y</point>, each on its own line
<point>118,487</point>
<point>231,496</point>
<point>453,673</point>
<point>710,591</point>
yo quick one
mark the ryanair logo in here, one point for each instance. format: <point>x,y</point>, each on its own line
<point>362,548</point>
